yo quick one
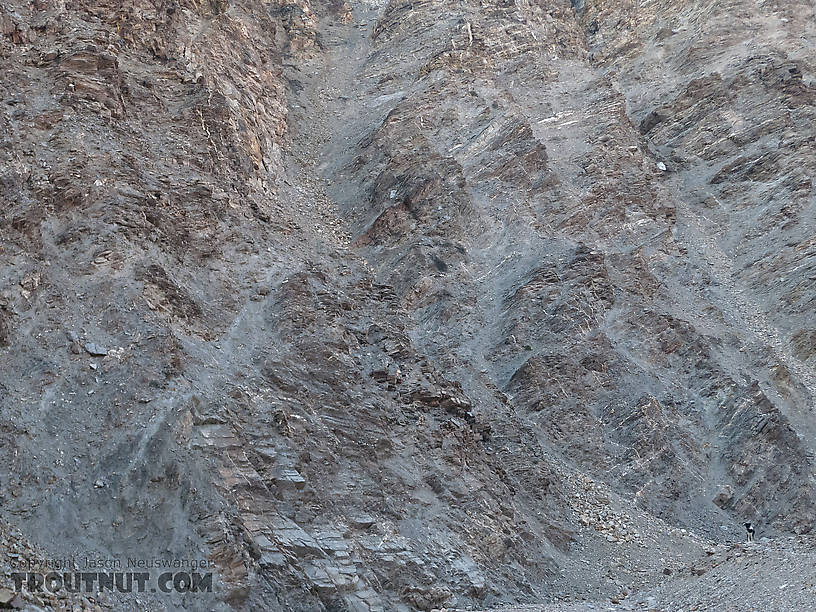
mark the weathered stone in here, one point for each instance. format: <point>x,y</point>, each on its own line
<point>290,478</point>
<point>95,349</point>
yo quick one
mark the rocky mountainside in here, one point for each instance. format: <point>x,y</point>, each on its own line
<point>409,304</point>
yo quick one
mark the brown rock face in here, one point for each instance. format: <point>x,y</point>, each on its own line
<point>408,304</point>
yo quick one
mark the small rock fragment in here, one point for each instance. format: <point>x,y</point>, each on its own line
<point>362,521</point>
<point>6,597</point>
<point>95,349</point>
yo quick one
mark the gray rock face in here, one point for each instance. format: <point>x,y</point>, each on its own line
<point>95,350</point>
<point>403,305</point>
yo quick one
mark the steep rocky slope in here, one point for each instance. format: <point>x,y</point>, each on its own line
<point>409,304</point>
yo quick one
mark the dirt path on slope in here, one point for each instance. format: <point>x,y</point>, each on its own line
<point>325,93</point>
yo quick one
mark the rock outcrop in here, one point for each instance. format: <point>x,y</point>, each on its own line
<point>411,304</point>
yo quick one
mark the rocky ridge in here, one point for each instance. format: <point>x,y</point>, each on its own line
<point>412,304</point>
